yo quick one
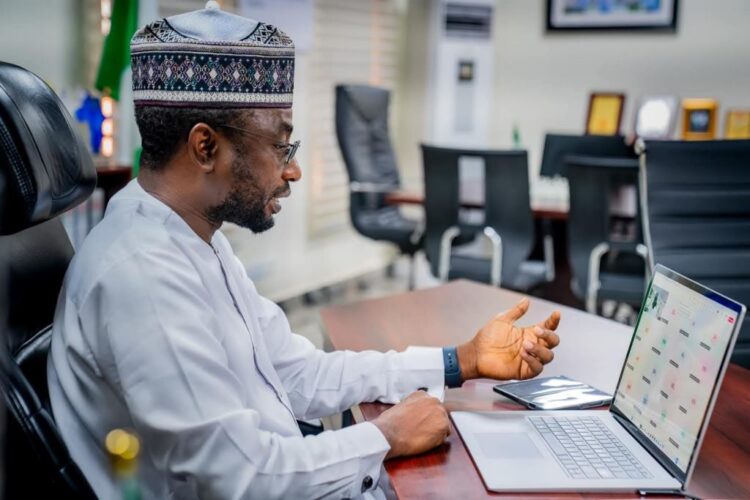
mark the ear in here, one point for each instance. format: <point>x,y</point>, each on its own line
<point>202,146</point>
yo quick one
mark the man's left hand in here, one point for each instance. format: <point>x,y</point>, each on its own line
<point>502,350</point>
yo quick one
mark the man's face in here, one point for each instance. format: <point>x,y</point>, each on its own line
<point>258,174</point>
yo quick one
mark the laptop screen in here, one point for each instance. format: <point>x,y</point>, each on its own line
<point>674,363</point>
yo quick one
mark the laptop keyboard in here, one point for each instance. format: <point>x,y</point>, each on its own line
<point>586,449</point>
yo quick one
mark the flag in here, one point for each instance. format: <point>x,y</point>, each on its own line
<point>116,53</point>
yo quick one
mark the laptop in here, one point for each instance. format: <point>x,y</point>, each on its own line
<point>650,437</point>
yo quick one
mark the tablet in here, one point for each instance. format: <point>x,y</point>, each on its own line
<point>554,393</point>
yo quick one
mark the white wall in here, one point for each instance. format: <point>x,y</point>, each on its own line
<point>543,79</point>
<point>43,37</point>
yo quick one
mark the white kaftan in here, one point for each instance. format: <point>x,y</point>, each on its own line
<point>158,331</point>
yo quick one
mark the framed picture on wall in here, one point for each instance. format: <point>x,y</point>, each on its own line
<point>605,113</point>
<point>737,125</point>
<point>699,119</point>
<point>571,15</point>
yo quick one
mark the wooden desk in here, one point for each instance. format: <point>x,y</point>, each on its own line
<point>592,349</point>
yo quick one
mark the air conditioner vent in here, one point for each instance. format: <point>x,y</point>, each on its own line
<point>468,21</point>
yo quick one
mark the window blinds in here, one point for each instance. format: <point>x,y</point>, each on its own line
<point>354,42</point>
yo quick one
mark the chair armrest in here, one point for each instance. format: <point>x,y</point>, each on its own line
<point>595,259</point>
<point>496,266</point>
<point>371,187</point>
<point>418,232</point>
<point>446,242</point>
<point>628,246</point>
<point>548,246</point>
<point>592,288</point>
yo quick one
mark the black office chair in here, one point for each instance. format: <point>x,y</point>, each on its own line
<point>508,219</point>
<point>695,199</point>
<point>362,131</point>
<point>46,170</point>
<point>605,265</point>
<point>558,146</point>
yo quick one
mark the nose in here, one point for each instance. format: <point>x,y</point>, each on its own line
<point>292,172</point>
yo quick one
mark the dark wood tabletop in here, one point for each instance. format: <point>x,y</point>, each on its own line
<point>592,349</point>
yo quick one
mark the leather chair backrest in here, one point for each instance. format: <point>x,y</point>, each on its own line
<point>558,146</point>
<point>591,185</point>
<point>363,135</point>
<point>695,199</point>
<point>441,198</point>
<point>46,170</point>
<point>508,206</point>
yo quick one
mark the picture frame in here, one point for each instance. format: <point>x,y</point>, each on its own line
<point>604,115</point>
<point>699,119</point>
<point>737,124</point>
<point>605,15</point>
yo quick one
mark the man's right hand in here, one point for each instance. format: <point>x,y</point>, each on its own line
<point>418,423</point>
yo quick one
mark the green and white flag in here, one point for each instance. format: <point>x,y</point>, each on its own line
<point>114,75</point>
<point>116,53</point>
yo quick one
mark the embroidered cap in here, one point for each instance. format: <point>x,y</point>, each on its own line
<point>214,59</point>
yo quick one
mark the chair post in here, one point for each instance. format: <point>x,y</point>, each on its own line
<point>496,265</point>
<point>412,271</point>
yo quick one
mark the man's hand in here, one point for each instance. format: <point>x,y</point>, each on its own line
<point>503,351</point>
<point>418,423</point>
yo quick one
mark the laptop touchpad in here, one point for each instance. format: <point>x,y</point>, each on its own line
<point>507,445</point>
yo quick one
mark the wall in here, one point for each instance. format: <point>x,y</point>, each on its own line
<point>44,37</point>
<point>409,99</point>
<point>543,80</point>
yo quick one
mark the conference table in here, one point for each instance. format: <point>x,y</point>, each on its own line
<point>592,349</point>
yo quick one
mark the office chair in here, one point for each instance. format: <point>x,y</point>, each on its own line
<point>46,170</point>
<point>558,146</point>
<point>604,266</point>
<point>508,225</point>
<point>695,201</point>
<point>362,132</point>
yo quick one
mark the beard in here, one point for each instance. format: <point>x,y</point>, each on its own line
<point>246,203</point>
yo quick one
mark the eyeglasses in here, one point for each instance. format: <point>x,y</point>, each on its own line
<point>289,149</point>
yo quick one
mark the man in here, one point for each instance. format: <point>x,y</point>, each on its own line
<point>159,329</point>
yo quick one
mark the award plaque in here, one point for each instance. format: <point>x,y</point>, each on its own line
<point>738,124</point>
<point>656,117</point>
<point>605,113</point>
<point>699,119</point>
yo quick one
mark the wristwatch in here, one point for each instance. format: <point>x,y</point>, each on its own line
<point>452,368</point>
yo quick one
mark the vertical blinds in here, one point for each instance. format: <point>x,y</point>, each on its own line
<point>355,42</point>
